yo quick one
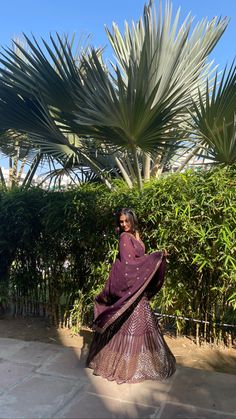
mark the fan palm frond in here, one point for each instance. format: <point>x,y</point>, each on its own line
<point>214,118</point>
<point>138,106</point>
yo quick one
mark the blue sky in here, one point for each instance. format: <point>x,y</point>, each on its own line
<point>90,17</point>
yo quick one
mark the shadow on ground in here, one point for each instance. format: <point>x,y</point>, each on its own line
<point>43,375</point>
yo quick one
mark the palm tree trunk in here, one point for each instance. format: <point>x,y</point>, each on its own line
<point>10,172</point>
<point>124,172</point>
<point>99,172</point>
<point>21,170</point>
<point>137,169</point>
<point>28,179</point>
<point>154,171</point>
<point>188,158</point>
<point>2,180</point>
<point>146,166</point>
<point>130,167</point>
<point>15,164</point>
<point>162,164</point>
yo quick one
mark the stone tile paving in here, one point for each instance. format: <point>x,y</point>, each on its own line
<point>40,380</point>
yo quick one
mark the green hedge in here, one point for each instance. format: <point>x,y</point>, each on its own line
<point>56,248</point>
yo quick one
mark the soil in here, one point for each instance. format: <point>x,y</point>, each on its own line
<point>187,353</point>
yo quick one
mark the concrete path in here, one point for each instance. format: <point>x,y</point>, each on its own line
<point>41,380</point>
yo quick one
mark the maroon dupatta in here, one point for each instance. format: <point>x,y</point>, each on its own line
<point>133,273</point>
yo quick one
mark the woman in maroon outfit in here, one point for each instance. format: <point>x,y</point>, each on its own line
<point>128,345</point>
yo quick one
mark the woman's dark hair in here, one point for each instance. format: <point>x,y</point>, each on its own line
<point>131,217</point>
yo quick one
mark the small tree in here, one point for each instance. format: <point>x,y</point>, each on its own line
<point>134,113</point>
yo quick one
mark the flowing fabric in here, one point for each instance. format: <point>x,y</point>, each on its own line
<point>128,345</point>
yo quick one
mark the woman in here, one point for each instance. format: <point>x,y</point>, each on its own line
<point>128,345</point>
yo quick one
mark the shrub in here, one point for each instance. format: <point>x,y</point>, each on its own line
<point>58,248</point>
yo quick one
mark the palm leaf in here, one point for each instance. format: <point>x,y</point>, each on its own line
<point>214,118</point>
<point>136,106</point>
<point>158,69</point>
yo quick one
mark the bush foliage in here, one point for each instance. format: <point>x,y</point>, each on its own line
<point>56,248</point>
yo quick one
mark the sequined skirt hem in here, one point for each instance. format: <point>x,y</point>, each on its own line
<point>133,349</point>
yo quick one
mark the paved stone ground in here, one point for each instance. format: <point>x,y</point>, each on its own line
<point>40,380</point>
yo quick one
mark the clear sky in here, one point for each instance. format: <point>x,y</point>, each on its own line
<point>42,17</point>
<point>89,17</point>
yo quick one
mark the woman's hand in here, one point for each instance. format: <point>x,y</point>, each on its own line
<point>165,253</point>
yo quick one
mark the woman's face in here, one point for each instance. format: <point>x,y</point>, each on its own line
<point>125,224</point>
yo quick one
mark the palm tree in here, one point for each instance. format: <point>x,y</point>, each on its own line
<point>22,156</point>
<point>214,119</point>
<point>135,111</point>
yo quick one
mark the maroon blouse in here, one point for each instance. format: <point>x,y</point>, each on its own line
<point>132,274</point>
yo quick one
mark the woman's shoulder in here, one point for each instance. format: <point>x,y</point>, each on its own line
<point>125,238</point>
<point>124,234</point>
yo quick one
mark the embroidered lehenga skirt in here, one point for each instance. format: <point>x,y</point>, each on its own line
<point>132,349</point>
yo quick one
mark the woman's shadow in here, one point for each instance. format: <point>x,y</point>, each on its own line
<point>87,336</point>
